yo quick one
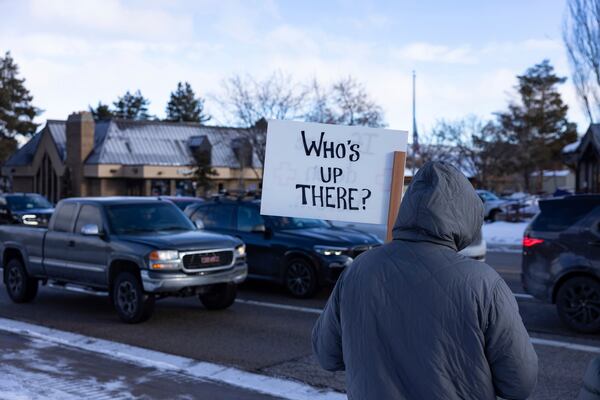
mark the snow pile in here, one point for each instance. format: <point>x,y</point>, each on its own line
<point>504,236</point>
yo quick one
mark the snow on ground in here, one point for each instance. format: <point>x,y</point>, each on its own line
<point>504,236</point>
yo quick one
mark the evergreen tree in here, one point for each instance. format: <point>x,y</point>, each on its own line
<point>132,106</point>
<point>101,112</point>
<point>204,170</point>
<point>536,128</point>
<point>184,106</point>
<point>16,111</point>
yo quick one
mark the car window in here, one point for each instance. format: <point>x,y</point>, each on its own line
<point>556,216</point>
<point>64,217</point>
<point>216,216</point>
<point>27,202</point>
<point>487,196</point>
<point>248,218</point>
<point>88,215</point>
<point>145,218</point>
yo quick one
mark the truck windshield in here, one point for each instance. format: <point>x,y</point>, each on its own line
<point>147,217</point>
<point>27,202</point>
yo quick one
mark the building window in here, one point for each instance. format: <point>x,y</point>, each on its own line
<point>46,180</point>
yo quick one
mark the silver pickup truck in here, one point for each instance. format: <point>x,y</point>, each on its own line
<point>135,250</point>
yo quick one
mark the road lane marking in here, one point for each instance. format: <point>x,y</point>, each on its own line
<point>312,310</point>
<point>278,387</point>
<point>523,296</point>
<point>565,345</point>
<point>536,341</point>
<point>280,306</point>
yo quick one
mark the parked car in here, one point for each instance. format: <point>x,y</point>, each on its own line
<point>561,259</point>
<point>476,250</point>
<point>181,201</point>
<point>493,205</point>
<point>299,253</point>
<point>134,249</point>
<point>25,208</point>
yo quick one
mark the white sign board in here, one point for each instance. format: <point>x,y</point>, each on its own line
<point>332,172</point>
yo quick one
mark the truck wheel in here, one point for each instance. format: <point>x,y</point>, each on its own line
<point>220,298</point>
<point>130,301</point>
<point>20,287</point>
<point>578,304</point>
<point>300,278</point>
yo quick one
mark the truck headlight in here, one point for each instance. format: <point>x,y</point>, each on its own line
<point>164,259</point>
<point>240,251</point>
<point>330,250</point>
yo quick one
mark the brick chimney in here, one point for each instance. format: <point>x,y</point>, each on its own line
<point>80,142</point>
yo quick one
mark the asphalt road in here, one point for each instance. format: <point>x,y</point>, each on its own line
<point>262,335</point>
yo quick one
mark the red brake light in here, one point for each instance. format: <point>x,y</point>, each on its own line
<point>528,241</point>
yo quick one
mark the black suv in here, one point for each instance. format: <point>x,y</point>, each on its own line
<point>25,208</point>
<point>561,259</point>
<point>300,253</point>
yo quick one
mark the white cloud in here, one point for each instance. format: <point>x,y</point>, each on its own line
<point>435,53</point>
<point>112,18</point>
<point>75,54</point>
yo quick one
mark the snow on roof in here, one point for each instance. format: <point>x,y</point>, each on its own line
<point>571,147</point>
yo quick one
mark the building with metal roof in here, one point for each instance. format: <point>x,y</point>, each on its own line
<point>83,157</point>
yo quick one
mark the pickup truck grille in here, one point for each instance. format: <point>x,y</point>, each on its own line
<point>212,259</point>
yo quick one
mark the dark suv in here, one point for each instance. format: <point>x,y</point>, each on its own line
<point>300,253</point>
<point>561,259</point>
<point>25,209</point>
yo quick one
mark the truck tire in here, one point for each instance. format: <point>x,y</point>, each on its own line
<point>131,303</point>
<point>20,287</point>
<point>578,304</point>
<point>220,298</point>
<point>301,278</point>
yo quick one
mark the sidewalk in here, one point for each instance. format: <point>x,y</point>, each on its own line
<point>37,369</point>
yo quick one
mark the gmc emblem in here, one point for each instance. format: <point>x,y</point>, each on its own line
<point>214,259</point>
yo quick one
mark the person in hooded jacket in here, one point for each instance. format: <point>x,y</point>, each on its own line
<point>413,319</point>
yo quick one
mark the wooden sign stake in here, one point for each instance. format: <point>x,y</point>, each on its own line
<point>396,190</point>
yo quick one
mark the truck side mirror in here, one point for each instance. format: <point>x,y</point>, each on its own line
<point>199,224</point>
<point>90,230</point>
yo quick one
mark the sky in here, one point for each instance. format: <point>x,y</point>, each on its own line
<point>466,54</point>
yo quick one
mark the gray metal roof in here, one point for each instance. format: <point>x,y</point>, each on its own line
<point>141,143</point>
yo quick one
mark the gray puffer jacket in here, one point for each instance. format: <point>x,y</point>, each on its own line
<point>413,319</point>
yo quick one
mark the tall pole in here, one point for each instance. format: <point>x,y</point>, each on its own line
<point>415,145</point>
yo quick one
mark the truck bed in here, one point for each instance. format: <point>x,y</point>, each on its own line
<point>29,240</point>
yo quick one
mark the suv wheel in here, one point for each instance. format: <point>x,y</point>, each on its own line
<point>578,304</point>
<point>494,215</point>
<point>20,287</point>
<point>130,301</point>
<point>300,278</point>
<point>220,297</point>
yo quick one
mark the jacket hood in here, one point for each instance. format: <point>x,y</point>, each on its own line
<point>440,206</point>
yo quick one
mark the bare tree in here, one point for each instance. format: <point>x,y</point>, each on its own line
<point>470,144</point>
<point>249,102</point>
<point>581,34</point>
<point>345,103</point>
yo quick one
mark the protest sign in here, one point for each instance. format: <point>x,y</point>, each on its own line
<point>330,172</point>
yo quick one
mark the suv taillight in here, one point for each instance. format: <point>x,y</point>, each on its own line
<point>529,241</point>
